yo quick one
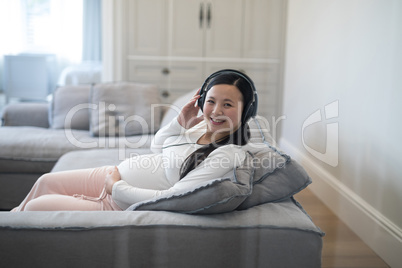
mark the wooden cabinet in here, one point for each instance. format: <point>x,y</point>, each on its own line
<point>188,23</point>
<point>147,23</point>
<point>173,77</point>
<point>176,44</point>
<point>263,29</point>
<point>224,27</point>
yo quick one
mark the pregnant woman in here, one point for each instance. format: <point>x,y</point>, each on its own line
<point>190,150</point>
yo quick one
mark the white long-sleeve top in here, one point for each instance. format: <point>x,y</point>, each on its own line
<point>147,176</point>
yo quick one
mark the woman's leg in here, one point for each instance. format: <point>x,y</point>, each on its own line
<point>87,182</point>
<point>55,202</point>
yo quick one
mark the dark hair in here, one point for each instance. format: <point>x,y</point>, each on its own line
<point>238,137</point>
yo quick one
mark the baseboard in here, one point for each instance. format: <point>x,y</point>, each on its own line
<point>377,231</point>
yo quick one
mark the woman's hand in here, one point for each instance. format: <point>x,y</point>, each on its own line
<point>112,177</point>
<point>188,115</point>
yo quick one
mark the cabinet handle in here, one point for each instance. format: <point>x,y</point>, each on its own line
<point>201,14</point>
<point>165,71</point>
<point>165,94</point>
<point>209,16</point>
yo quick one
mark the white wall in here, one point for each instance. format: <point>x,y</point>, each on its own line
<point>349,51</point>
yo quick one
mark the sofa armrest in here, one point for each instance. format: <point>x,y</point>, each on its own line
<point>26,114</point>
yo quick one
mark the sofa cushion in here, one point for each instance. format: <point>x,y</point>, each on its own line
<point>26,114</point>
<point>270,235</point>
<point>96,158</point>
<point>124,109</point>
<point>70,107</point>
<point>35,150</point>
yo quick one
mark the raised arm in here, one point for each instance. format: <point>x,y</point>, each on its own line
<point>187,118</point>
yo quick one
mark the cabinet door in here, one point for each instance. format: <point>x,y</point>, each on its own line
<point>263,28</point>
<point>187,28</point>
<point>148,27</point>
<point>224,28</point>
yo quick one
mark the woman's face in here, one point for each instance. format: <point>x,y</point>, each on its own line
<point>222,110</point>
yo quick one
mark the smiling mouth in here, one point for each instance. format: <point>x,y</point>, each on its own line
<point>217,121</point>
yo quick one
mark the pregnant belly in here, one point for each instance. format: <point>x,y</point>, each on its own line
<point>144,171</point>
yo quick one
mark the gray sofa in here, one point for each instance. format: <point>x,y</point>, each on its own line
<point>33,136</point>
<point>246,219</point>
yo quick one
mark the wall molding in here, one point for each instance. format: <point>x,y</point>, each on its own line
<point>376,230</point>
<point>113,40</point>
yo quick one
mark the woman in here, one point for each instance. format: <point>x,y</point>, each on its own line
<point>185,152</point>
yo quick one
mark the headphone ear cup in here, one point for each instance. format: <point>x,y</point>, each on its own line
<point>247,113</point>
<point>251,111</point>
<point>200,101</point>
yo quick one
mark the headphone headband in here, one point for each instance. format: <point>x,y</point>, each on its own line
<point>250,110</point>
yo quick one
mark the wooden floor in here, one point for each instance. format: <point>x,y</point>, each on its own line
<point>342,247</point>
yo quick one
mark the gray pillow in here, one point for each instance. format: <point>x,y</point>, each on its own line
<point>214,196</point>
<point>276,178</point>
<point>70,108</point>
<point>124,109</point>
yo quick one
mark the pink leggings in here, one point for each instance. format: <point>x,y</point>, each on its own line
<point>70,190</point>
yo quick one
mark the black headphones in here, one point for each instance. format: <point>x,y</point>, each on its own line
<point>250,110</point>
